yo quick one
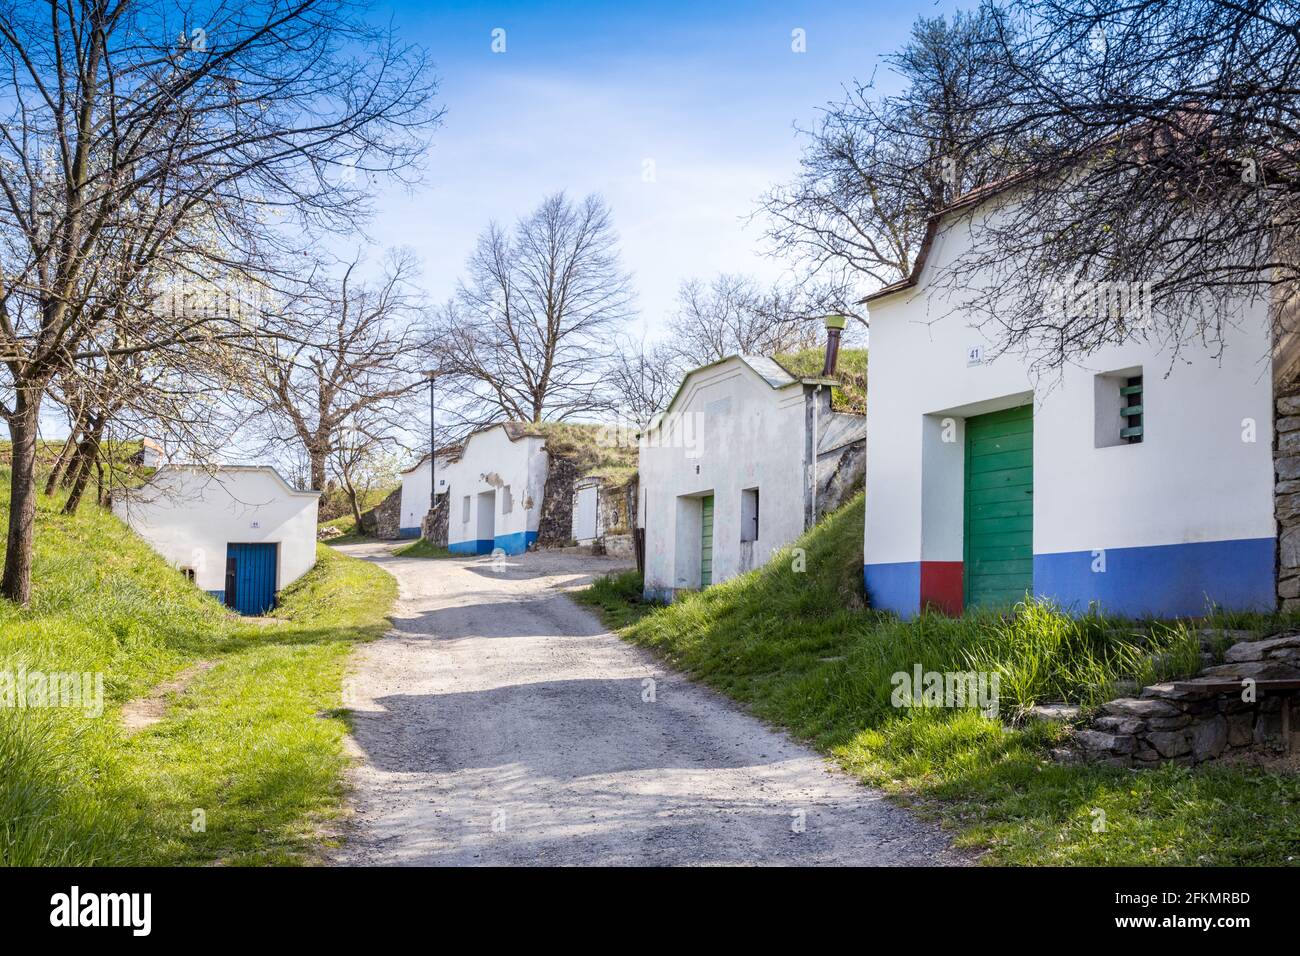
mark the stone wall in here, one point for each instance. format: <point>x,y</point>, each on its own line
<point>1194,721</point>
<point>616,508</point>
<point>617,546</point>
<point>1286,464</point>
<point>384,519</point>
<point>433,528</point>
<point>388,517</point>
<point>840,475</point>
<point>555,527</point>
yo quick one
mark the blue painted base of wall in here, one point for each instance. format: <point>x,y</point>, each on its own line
<point>1175,580</point>
<point>471,547</point>
<point>894,587</point>
<point>219,595</point>
<point>516,543</point>
<point>408,532</point>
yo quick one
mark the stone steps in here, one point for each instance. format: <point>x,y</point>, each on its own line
<point>1184,723</point>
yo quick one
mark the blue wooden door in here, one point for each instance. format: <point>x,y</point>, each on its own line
<point>250,577</point>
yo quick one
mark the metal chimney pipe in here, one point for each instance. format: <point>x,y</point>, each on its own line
<point>834,326</point>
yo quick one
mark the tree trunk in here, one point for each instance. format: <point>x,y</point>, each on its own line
<point>81,459</point>
<point>61,462</point>
<point>89,458</point>
<point>317,469</point>
<point>352,500</point>
<point>16,584</point>
<point>78,489</point>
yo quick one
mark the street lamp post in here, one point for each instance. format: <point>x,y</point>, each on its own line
<point>433,447</point>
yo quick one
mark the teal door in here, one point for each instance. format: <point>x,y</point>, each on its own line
<point>999,512</point>
<point>706,541</point>
<point>250,577</point>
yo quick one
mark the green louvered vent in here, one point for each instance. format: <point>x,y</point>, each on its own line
<point>706,541</point>
<point>1131,410</point>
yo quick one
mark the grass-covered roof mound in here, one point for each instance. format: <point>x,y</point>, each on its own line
<point>593,448</point>
<point>851,373</point>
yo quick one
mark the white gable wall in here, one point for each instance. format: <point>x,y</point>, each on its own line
<point>189,515</point>
<point>415,493</point>
<point>727,431</point>
<point>490,466</point>
<point>1184,515</point>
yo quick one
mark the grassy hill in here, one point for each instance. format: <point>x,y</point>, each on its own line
<point>335,511</point>
<point>801,650</point>
<point>254,742</point>
<point>589,447</point>
<point>851,372</point>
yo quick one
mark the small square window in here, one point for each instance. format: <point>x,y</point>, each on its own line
<point>189,574</point>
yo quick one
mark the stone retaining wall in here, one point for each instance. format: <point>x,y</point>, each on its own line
<point>388,517</point>
<point>1286,498</point>
<point>433,527</point>
<point>1189,722</point>
<point>555,526</point>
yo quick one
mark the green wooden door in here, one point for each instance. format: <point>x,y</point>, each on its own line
<point>999,532</point>
<point>706,541</point>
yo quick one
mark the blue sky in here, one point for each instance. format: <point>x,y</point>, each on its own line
<point>585,94</point>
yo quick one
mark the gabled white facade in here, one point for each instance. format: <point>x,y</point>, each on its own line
<point>741,443</point>
<point>1162,526</point>
<point>192,514</point>
<point>415,491</point>
<point>495,490</point>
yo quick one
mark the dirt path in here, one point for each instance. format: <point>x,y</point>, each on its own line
<point>500,724</point>
<point>142,712</point>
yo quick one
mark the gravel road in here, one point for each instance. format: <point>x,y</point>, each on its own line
<point>498,723</point>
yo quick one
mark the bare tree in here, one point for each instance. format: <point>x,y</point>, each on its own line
<point>527,333</point>
<point>732,315</point>
<point>877,166</point>
<point>179,394</point>
<point>1154,164</point>
<point>352,354</point>
<point>155,136</point>
<point>363,458</point>
<point>643,379</point>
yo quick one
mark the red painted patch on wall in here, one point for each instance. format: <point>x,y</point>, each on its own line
<point>941,586</point>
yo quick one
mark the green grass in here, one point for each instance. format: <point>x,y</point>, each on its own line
<point>618,598</point>
<point>422,548</point>
<point>255,742</point>
<point>348,525</point>
<point>335,502</point>
<point>802,651</point>
<point>851,371</point>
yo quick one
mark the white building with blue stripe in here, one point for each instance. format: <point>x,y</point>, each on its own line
<point>495,485</point>
<point>1135,481</point>
<point>416,499</point>
<point>241,533</point>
